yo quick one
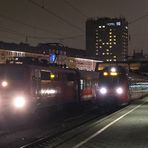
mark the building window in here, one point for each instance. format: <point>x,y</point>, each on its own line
<point>100,26</point>
<point>110,46</point>
<point>103,26</point>
<point>110,32</point>
<point>100,46</point>
<point>103,53</point>
<point>110,39</point>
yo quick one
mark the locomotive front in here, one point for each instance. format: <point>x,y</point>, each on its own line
<point>13,88</point>
<point>113,85</point>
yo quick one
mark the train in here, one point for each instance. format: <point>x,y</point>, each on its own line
<point>119,86</point>
<point>27,85</point>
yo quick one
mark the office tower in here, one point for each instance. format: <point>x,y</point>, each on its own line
<point>107,39</point>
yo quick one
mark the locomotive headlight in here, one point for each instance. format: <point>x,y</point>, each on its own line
<point>4,83</point>
<point>19,102</point>
<point>103,90</point>
<point>119,90</point>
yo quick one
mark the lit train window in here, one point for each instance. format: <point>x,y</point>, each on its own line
<point>81,84</point>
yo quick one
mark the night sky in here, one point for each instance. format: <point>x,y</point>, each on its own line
<point>36,21</point>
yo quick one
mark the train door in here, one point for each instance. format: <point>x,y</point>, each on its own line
<point>36,83</point>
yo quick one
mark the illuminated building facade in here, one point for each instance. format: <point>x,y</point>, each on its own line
<point>107,39</point>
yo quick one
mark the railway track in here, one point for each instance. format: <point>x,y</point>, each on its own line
<point>89,126</point>
<point>39,134</point>
<point>69,132</point>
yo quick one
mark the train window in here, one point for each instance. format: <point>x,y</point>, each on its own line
<point>12,73</point>
<point>81,84</point>
<point>67,76</point>
<point>70,76</point>
<point>45,75</point>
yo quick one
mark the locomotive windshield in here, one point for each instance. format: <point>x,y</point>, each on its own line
<point>11,73</point>
<point>110,80</point>
<point>113,75</point>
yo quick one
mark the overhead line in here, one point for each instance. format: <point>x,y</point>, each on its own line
<point>137,19</point>
<point>34,27</point>
<point>57,16</point>
<point>75,8</point>
<point>25,24</point>
<point>5,29</point>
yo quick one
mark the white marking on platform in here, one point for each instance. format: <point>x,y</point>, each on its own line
<point>105,127</point>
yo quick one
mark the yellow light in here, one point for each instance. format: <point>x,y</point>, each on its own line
<point>113,73</point>
<point>52,76</point>
<point>105,73</point>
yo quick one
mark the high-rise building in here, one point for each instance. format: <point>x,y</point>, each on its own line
<point>107,39</point>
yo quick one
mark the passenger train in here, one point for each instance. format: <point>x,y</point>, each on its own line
<point>27,85</point>
<point>119,86</point>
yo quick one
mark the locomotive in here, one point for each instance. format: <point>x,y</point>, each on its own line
<point>28,84</point>
<point>119,86</point>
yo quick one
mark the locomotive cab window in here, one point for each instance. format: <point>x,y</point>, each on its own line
<point>45,75</point>
<point>12,73</point>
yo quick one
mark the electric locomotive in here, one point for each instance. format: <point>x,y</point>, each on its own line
<point>119,86</point>
<point>113,86</point>
<point>27,85</point>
